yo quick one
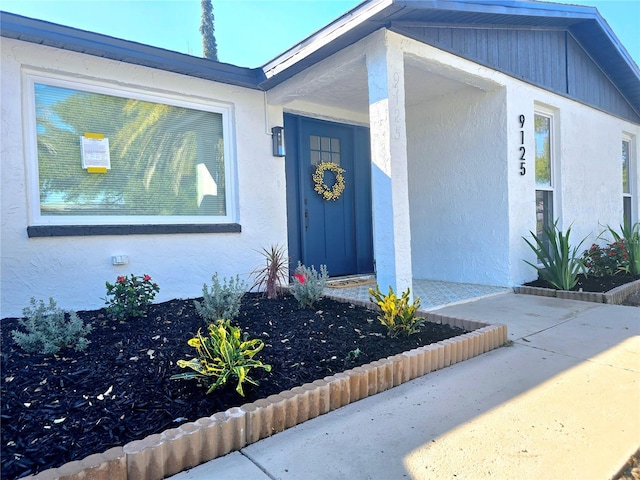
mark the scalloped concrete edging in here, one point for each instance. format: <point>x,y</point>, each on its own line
<point>161,455</point>
<point>613,297</point>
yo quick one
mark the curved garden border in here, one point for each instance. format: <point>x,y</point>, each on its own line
<point>161,455</point>
<point>613,297</point>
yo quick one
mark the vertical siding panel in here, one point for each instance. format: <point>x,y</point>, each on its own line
<point>580,87</point>
<point>493,52</point>
<point>445,37</point>
<point>552,59</point>
<point>514,45</point>
<point>481,45</point>
<point>470,43</point>
<point>537,66</point>
<point>430,35</point>
<point>508,50</point>
<point>523,67</point>
<point>457,40</point>
<point>533,55</point>
<point>549,49</point>
<point>561,85</point>
<point>606,96</point>
<point>571,67</point>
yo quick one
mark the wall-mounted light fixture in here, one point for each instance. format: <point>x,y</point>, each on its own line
<point>277,141</point>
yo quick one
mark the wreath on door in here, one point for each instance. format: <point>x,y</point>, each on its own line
<point>326,192</point>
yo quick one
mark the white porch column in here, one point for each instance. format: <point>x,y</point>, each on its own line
<point>390,189</point>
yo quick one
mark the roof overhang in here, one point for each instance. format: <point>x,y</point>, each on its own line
<point>81,41</point>
<point>585,24</point>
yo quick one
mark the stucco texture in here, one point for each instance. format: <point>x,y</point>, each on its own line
<point>74,270</point>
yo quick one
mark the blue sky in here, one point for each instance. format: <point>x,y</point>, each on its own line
<point>249,32</point>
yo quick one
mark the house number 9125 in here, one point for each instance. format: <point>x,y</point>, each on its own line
<point>523,169</point>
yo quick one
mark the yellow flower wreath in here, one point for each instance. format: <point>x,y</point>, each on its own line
<point>323,189</point>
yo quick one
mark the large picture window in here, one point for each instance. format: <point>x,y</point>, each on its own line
<point>112,157</point>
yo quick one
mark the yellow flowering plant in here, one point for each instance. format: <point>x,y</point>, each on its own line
<point>397,314</point>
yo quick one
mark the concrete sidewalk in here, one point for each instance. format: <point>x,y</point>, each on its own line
<point>563,402</point>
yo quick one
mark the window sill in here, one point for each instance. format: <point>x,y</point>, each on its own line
<point>91,230</point>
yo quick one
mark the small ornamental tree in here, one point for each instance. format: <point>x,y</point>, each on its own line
<point>274,273</point>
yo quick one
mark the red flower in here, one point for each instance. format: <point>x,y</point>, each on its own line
<point>300,277</point>
<point>146,277</point>
<point>121,279</point>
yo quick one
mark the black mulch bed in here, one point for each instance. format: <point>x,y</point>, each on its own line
<point>591,283</point>
<point>61,408</point>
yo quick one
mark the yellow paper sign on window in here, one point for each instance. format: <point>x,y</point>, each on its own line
<point>94,149</point>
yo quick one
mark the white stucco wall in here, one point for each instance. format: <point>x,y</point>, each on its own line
<point>470,207</point>
<point>73,270</point>
<point>458,187</point>
<point>588,171</point>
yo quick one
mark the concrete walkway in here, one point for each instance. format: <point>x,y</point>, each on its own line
<point>563,402</point>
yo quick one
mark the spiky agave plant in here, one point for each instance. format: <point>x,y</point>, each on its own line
<point>561,264</point>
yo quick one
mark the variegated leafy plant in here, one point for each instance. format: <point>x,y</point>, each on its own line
<point>397,314</point>
<point>222,355</point>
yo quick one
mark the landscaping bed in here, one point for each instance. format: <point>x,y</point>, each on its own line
<point>60,408</point>
<point>621,289</point>
<point>592,283</point>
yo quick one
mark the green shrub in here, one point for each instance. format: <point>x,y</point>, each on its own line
<point>398,315</point>
<point>605,261</point>
<point>274,273</point>
<point>222,355</point>
<point>308,285</point>
<point>561,264</point>
<point>130,296</point>
<point>48,331</point>
<point>222,302</point>
<point>630,237</point>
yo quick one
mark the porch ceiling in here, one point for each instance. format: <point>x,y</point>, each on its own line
<point>346,88</point>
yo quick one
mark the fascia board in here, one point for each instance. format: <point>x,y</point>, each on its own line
<point>352,19</point>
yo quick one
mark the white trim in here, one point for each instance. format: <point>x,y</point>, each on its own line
<point>628,139</point>
<point>554,153</point>
<point>31,77</point>
<point>326,35</point>
<point>632,167</point>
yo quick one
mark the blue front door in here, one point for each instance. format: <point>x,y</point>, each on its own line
<point>331,232</point>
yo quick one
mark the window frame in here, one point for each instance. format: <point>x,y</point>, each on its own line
<point>115,222</point>
<point>550,190</point>
<point>628,196</point>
